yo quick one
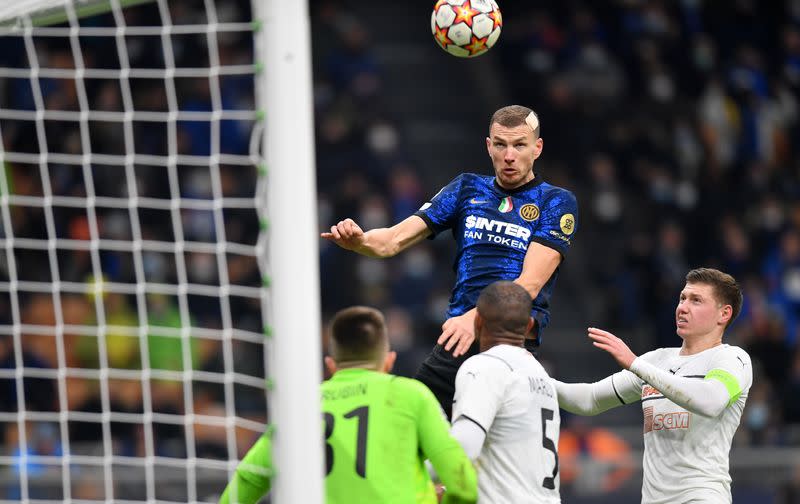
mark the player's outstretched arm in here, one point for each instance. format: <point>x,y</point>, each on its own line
<point>253,477</point>
<point>708,397</point>
<point>378,242</point>
<point>590,399</point>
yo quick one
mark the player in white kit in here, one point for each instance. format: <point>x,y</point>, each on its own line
<point>692,397</point>
<point>505,411</point>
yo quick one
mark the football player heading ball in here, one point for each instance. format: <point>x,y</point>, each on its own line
<point>510,226</point>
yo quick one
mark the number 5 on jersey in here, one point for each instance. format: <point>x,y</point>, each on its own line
<point>361,415</point>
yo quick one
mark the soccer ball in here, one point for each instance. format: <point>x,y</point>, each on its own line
<point>466,28</point>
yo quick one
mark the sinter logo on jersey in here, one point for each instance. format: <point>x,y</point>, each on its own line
<point>481,228</point>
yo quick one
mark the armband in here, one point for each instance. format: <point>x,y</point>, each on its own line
<point>727,379</point>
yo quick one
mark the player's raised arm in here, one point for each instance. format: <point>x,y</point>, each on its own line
<point>590,399</point>
<point>378,242</point>
<point>708,397</point>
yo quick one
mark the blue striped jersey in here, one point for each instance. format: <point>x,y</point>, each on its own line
<point>493,227</point>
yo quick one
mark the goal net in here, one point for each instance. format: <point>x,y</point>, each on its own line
<point>158,286</point>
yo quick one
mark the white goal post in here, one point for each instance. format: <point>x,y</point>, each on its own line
<point>133,206</point>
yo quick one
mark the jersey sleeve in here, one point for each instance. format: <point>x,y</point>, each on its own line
<point>558,222</point>
<point>627,386</point>
<point>441,211</point>
<point>447,456</point>
<point>479,390</point>
<point>734,370</point>
<point>252,479</point>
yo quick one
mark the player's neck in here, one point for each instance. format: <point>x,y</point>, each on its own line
<point>368,365</point>
<point>506,341</point>
<point>694,346</point>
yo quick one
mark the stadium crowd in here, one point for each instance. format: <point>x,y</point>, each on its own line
<point>675,124</point>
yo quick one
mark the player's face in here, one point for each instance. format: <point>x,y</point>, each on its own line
<point>698,313</point>
<point>513,151</point>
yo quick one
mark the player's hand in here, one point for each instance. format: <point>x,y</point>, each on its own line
<point>347,234</point>
<point>439,492</point>
<point>458,333</point>
<point>613,345</point>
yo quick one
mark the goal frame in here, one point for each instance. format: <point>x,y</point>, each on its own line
<point>290,304</point>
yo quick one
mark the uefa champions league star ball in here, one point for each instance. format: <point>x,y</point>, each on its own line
<point>466,28</point>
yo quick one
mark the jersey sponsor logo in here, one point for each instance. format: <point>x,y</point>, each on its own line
<point>560,236</point>
<point>649,390</point>
<point>506,228</point>
<point>490,230</point>
<point>506,205</point>
<point>474,201</point>
<point>567,224</point>
<point>665,421</point>
<point>529,212</point>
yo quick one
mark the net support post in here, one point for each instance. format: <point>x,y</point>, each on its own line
<point>285,94</point>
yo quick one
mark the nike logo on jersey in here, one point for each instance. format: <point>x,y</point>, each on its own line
<point>474,201</point>
<point>740,360</point>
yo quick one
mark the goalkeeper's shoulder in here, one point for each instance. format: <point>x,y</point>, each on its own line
<point>413,390</point>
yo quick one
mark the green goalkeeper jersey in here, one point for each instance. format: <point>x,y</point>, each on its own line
<point>379,429</point>
<point>253,476</point>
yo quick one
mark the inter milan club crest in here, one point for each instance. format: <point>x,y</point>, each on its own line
<point>529,212</point>
<point>506,205</point>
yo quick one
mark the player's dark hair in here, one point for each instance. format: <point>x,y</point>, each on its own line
<point>725,288</point>
<point>513,116</point>
<point>358,333</point>
<point>505,308</point>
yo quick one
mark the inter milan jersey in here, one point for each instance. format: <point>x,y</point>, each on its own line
<point>493,227</point>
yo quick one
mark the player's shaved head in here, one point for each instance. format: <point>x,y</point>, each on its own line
<point>505,309</point>
<point>358,334</point>
<point>516,115</point>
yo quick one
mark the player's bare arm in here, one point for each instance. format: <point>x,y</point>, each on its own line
<point>540,263</point>
<point>379,242</point>
<point>604,340</point>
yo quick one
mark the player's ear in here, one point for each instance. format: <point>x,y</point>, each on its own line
<point>477,326</point>
<point>530,325</point>
<point>489,146</point>
<point>388,361</point>
<point>330,365</point>
<point>539,145</point>
<point>725,314</point>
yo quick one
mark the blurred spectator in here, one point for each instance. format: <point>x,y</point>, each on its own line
<point>592,460</point>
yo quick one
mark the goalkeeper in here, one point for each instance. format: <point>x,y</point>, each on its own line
<point>510,226</point>
<point>379,428</point>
